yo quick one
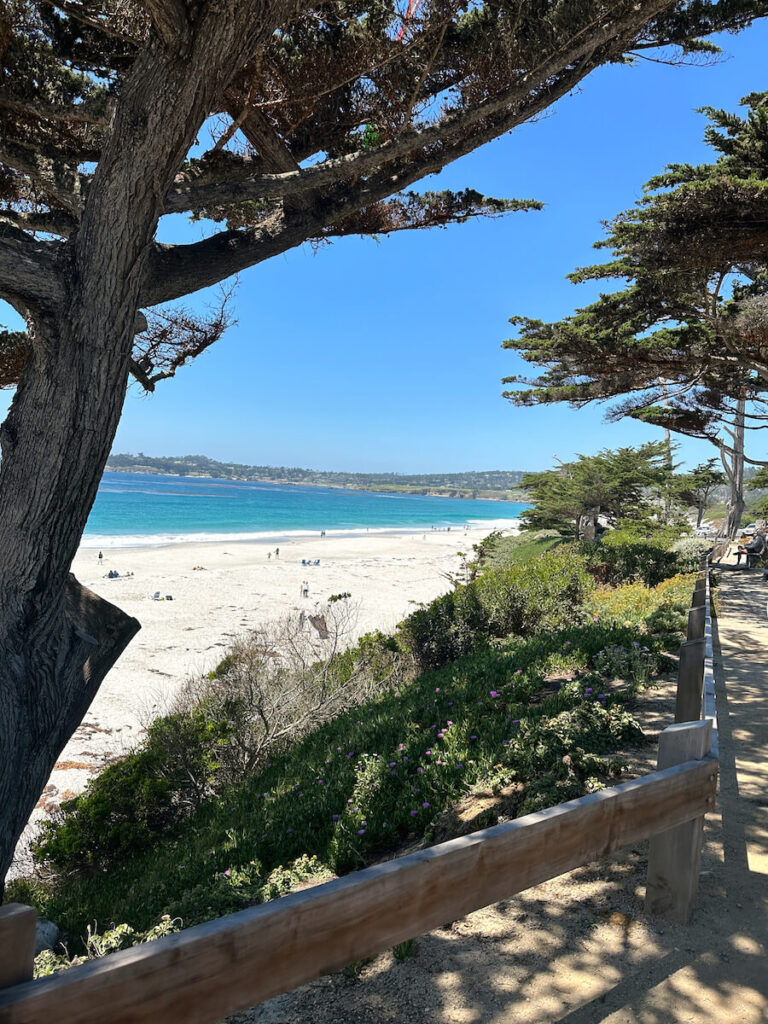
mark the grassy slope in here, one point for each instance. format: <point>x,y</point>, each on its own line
<point>375,779</point>
<point>501,552</point>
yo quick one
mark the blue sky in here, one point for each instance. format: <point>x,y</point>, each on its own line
<point>386,355</point>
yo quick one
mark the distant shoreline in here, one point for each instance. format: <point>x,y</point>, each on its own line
<point>480,484</point>
<point>403,490</point>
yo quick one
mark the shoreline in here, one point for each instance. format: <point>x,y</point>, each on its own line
<point>155,541</point>
<point>503,496</point>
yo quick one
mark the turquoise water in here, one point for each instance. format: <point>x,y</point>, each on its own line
<point>138,508</point>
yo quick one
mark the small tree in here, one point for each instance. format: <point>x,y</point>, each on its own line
<point>695,488</point>
<point>610,486</point>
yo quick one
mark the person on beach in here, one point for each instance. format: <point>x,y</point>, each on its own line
<point>277,552</point>
<point>269,555</point>
<point>101,557</point>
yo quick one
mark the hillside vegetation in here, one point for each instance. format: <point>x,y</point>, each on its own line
<point>519,682</point>
<point>491,484</point>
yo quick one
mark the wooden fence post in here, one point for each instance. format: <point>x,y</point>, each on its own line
<point>696,618</point>
<point>17,943</point>
<point>699,592</point>
<point>690,680</point>
<point>674,855</point>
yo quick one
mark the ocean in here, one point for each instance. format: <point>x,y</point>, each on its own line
<point>138,509</point>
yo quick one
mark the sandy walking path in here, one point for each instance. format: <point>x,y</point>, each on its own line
<point>580,949</point>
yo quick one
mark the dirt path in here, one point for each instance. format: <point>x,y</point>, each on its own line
<point>579,949</point>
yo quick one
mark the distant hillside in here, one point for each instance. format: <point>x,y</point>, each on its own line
<point>496,484</point>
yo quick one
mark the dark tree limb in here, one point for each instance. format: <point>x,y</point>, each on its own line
<point>60,182</point>
<point>52,222</point>
<point>81,113</point>
<point>29,274</point>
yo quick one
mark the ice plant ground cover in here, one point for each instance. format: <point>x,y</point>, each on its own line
<point>544,712</point>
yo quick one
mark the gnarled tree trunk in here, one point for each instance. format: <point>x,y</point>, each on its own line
<point>58,641</point>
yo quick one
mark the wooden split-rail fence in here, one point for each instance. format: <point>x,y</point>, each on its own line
<point>202,974</point>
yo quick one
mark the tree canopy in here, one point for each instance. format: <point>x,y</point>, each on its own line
<point>323,116</point>
<point>683,341</point>
<point>609,486</point>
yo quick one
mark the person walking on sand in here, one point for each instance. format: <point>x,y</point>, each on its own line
<point>101,557</point>
<point>277,552</point>
<point>269,555</point>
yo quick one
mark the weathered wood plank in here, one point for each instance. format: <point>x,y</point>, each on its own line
<point>690,678</point>
<point>696,622</point>
<point>17,943</point>
<point>675,855</point>
<point>206,972</point>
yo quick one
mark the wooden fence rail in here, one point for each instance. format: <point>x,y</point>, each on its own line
<point>204,973</point>
<point>674,855</point>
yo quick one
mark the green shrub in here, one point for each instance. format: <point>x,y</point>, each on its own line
<point>124,808</point>
<point>621,556</point>
<point>542,595</point>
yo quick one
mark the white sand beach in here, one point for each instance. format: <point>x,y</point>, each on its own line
<point>238,589</point>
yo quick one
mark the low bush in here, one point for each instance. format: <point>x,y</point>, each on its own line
<point>542,595</point>
<point>125,807</point>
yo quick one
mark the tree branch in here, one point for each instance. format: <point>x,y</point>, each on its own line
<point>58,181</point>
<point>76,114</point>
<point>80,14</point>
<point>330,172</point>
<point>28,271</point>
<point>52,222</point>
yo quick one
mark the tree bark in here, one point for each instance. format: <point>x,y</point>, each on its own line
<point>58,641</point>
<point>734,470</point>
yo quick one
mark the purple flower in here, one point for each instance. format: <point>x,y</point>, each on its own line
<point>519,672</point>
<point>437,689</point>
<point>335,817</point>
<point>473,737</point>
<point>392,764</point>
<point>420,770</point>
<point>414,813</point>
<point>428,753</point>
<point>361,831</point>
<point>227,872</point>
<point>404,757</point>
<point>494,693</point>
<point>425,804</point>
<point>320,782</point>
